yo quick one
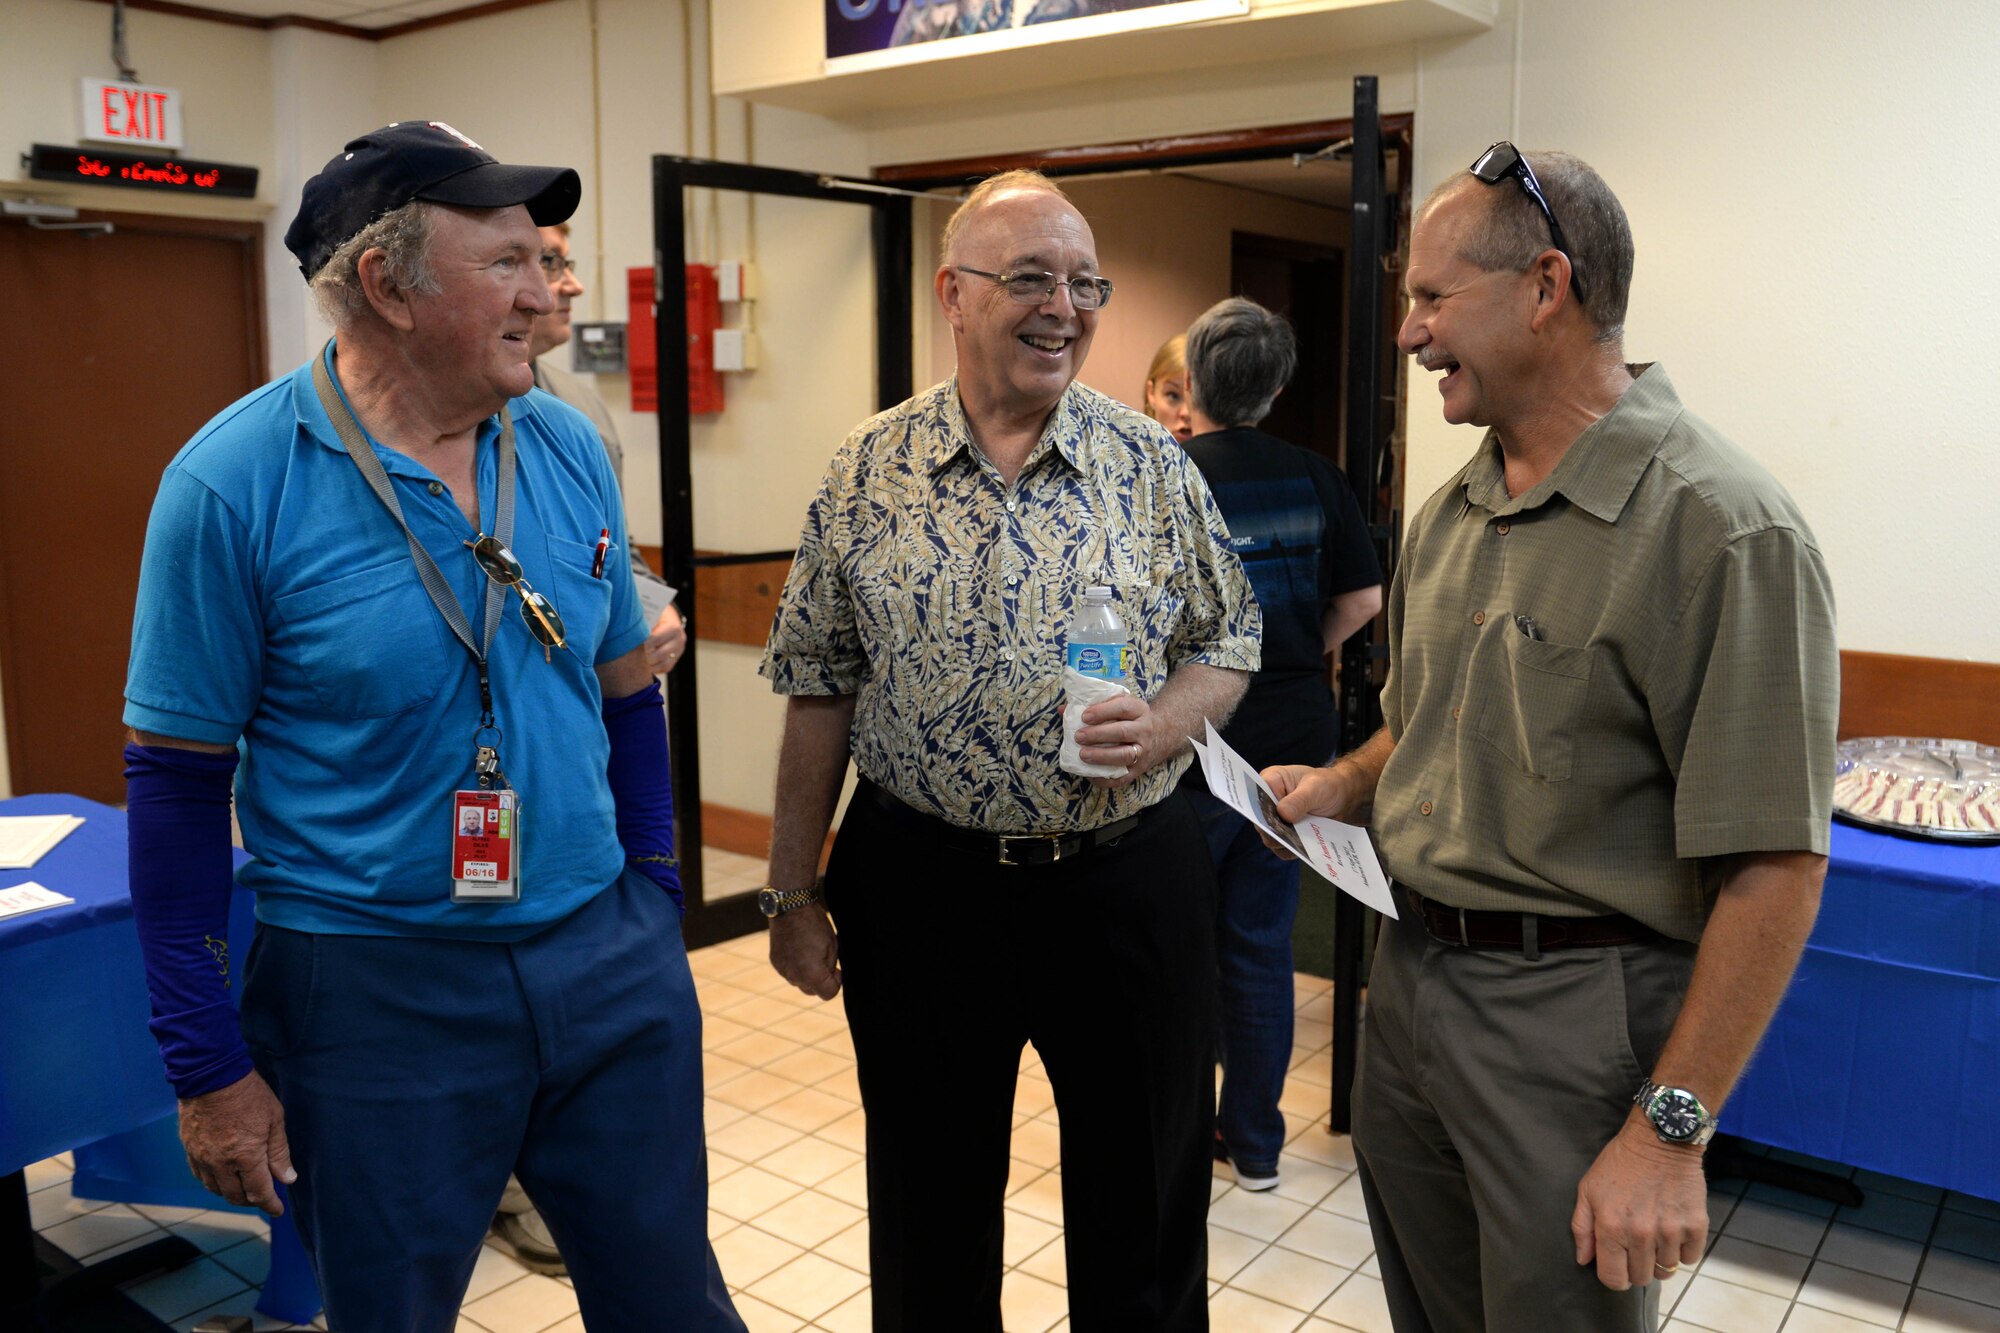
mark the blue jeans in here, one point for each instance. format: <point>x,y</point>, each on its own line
<point>417,1073</point>
<point>1256,901</point>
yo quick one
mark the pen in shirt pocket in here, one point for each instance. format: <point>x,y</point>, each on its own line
<point>597,561</point>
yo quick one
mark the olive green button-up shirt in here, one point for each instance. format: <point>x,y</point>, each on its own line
<point>942,596</point>
<point>1600,686</point>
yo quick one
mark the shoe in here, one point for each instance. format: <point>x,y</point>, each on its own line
<point>525,1237</point>
<point>1256,1184</point>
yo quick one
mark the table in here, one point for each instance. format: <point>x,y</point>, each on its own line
<point>78,1065</point>
<point>1886,1051</point>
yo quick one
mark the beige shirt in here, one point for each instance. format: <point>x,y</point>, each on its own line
<point>1598,687</point>
<point>942,596</point>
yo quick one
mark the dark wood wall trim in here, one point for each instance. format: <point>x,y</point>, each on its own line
<point>1882,694</point>
<point>208,15</point>
<point>1268,141</point>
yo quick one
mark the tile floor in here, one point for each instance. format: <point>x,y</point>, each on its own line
<point>787,1210</point>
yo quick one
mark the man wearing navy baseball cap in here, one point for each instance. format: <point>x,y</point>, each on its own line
<point>375,603</point>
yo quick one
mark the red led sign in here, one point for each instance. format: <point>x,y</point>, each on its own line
<point>144,171</point>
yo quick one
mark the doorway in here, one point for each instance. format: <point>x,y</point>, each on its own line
<point>131,340</point>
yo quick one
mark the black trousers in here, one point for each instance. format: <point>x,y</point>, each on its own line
<point>1107,964</point>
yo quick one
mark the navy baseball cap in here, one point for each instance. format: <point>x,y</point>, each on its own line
<point>379,172</point>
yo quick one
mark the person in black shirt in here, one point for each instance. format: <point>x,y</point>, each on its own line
<point>1294,524</point>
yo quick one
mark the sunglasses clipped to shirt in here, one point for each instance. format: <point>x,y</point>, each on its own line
<point>538,613</point>
<point>1503,160</point>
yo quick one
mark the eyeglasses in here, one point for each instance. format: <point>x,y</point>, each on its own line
<point>538,613</point>
<point>1040,288</point>
<point>556,265</point>
<point>1502,160</point>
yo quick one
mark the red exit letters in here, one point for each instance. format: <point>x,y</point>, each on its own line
<point>131,113</point>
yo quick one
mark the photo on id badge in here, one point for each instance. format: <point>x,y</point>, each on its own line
<point>485,847</point>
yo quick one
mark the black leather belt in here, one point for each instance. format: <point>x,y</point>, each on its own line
<point>1524,932</point>
<point>1008,849</point>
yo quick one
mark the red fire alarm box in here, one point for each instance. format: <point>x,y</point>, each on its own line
<point>641,356</point>
<point>704,314</point>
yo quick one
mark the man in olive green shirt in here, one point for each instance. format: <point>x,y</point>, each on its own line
<point>1603,785</point>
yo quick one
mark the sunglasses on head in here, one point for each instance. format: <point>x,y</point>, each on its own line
<point>538,613</point>
<point>1503,160</point>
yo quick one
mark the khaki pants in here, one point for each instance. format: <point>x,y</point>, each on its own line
<point>1488,1085</point>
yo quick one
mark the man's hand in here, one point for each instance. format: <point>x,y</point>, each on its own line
<point>1303,790</point>
<point>1121,733</point>
<point>806,952</point>
<point>235,1141</point>
<point>667,642</point>
<point>1641,1209</point>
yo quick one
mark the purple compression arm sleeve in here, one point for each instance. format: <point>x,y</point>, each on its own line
<point>642,789</point>
<point>177,824</point>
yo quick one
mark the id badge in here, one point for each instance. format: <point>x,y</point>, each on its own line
<point>485,846</point>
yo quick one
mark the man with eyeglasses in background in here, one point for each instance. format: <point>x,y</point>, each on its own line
<point>328,591</point>
<point>1603,784</point>
<point>518,1228</point>
<point>984,897</point>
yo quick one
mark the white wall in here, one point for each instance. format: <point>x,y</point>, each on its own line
<point>1807,183</point>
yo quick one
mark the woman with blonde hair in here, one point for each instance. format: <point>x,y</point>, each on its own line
<point>1166,397</point>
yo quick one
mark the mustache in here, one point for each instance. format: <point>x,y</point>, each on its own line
<point>1430,358</point>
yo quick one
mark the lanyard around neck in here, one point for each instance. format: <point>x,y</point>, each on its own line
<point>434,583</point>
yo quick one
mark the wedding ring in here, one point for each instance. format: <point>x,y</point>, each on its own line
<point>1662,1270</point>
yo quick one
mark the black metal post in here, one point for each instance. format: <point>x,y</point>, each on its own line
<point>1360,710</point>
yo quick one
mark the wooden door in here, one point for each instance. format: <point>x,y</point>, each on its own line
<point>125,344</point>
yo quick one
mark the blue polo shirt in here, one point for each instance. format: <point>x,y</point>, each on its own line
<point>279,610</point>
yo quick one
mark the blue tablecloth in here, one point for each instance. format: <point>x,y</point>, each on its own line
<point>76,1060</point>
<point>1886,1051</point>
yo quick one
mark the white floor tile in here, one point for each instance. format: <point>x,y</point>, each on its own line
<point>1758,1267</point>
<point>748,1254</point>
<point>1242,1312</point>
<point>809,1218</point>
<point>185,1290</point>
<point>1871,1252</point>
<point>1962,1276</point>
<point>1935,1312</point>
<point>1858,1295</point>
<point>1230,1252</point>
<point>1358,1304</point>
<point>1807,1319</point>
<point>1030,1305</point>
<point>1290,1279</point>
<point>1968,1233</point>
<point>809,1161</point>
<point>761,1318</point>
<point>527,1306</point>
<point>854,1315</point>
<point>92,1233</point>
<point>1330,1237</point>
<point>1781,1228</point>
<point>808,1286</point>
<point>1892,1214</point>
<point>850,1247</point>
<point>1050,1263</point>
<point>1266,1216</point>
<point>746,1194</point>
<point>1726,1308</point>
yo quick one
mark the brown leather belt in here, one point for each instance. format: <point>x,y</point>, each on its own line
<point>1524,932</point>
<point>1007,849</point>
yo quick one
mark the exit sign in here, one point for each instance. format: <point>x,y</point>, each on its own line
<point>131,113</point>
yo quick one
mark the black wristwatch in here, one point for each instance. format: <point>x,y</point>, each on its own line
<point>1676,1114</point>
<point>774,903</point>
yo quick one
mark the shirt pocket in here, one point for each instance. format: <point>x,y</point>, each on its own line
<point>370,644</point>
<point>582,599</point>
<point>1535,697</point>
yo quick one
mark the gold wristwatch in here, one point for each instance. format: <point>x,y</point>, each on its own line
<point>774,903</point>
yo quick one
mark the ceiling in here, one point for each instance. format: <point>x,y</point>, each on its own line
<point>364,14</point>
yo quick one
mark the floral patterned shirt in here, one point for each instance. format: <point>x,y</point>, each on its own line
<point>942,596</point>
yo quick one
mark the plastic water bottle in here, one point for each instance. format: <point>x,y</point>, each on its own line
<point>1097,638</point>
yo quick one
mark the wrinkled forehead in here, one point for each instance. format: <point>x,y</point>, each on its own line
<point>1028,229</point>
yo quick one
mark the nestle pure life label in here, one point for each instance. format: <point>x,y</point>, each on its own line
<point>1103,661</point>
